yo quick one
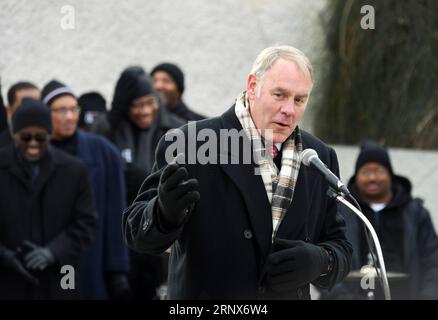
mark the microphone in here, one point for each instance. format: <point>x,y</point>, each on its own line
<point>310,158</point>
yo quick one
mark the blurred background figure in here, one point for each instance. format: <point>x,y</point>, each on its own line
<point>47,213</point>
<point>403,225</point>
<point>168,81</point>
<point>93,106</point>
<point>3,120</point>
<point>135,124</point>
<point>106,263</point>
<point>15,94</point>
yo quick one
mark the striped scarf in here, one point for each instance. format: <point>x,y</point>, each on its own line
<point>279,186</point>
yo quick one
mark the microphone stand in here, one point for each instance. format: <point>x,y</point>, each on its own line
<point>340,198</point>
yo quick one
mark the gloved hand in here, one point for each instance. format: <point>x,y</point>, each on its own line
<point>176,195</point>
<point>9,259</point>
<point>39,258</point>
<point>118,286</point>
<point>294,264</point>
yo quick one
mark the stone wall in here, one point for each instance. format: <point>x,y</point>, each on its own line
<point>214,42</point>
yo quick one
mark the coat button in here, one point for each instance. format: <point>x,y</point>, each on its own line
<point>299,292</point>
<point>247,234</point>
<point>146,224</point>
<point>262,290</point>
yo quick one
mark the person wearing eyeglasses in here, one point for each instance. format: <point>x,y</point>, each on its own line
<point>47,211</point>
<point>403,225</point>
<point>106,264</point>
<point>135,124</point>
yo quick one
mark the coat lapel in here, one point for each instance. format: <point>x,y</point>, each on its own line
<point>252,190</point>
<point>295,222</point>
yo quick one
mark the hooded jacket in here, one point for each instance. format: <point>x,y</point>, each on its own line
<point>408,239</point>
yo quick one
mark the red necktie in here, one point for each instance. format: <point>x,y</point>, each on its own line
<point>274,151</point>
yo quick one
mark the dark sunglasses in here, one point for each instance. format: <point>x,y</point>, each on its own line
<point>39,137</point>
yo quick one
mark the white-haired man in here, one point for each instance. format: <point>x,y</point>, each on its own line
<point>245,230</point>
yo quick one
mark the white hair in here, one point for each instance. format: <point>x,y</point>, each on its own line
<point>268,56</point>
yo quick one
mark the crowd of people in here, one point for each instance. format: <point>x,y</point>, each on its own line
<point>68,171</point>
<point>87,185</point>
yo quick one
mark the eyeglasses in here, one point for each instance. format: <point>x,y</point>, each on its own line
<point>150,103</point>
<point>378,172</point>
<point>64,110</point>
<point>39,137</point>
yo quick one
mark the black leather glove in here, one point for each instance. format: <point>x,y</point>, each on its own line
<point>295,263</point>
<point>39,258</point>
<point>118,286</point>
<point>10,260</point>
<point>176,195</point>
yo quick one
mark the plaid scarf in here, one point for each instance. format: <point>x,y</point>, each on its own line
<point>279,186</point>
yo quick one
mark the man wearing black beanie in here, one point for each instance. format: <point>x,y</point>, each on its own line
<point>402,223</point>
<point>106,263</point>
<point>46,208</point>
<point>169,83</point>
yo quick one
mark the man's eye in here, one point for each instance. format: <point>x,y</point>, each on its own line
<point>299,101</point>
<point>278,95</point>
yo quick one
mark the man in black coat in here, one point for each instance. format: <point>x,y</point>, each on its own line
<point>403,225</point>
<point>47,213</point>
<point>250,227</point>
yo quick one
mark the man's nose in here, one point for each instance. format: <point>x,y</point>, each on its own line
<point>288,108</point>
<point>158,85</point>
<point>70,114</point>
<point>33,143</point>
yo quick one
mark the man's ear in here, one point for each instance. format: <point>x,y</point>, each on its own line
<point>251,83</point>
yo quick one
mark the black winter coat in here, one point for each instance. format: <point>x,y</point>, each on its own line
<point>182,111</point>
<point>409,244</point>
<point>57,211</point>
<point>220,253</point>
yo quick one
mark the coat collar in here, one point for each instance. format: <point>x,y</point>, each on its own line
<point>8,159</point>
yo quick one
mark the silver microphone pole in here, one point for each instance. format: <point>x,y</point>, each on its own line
<point>376,241</point>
